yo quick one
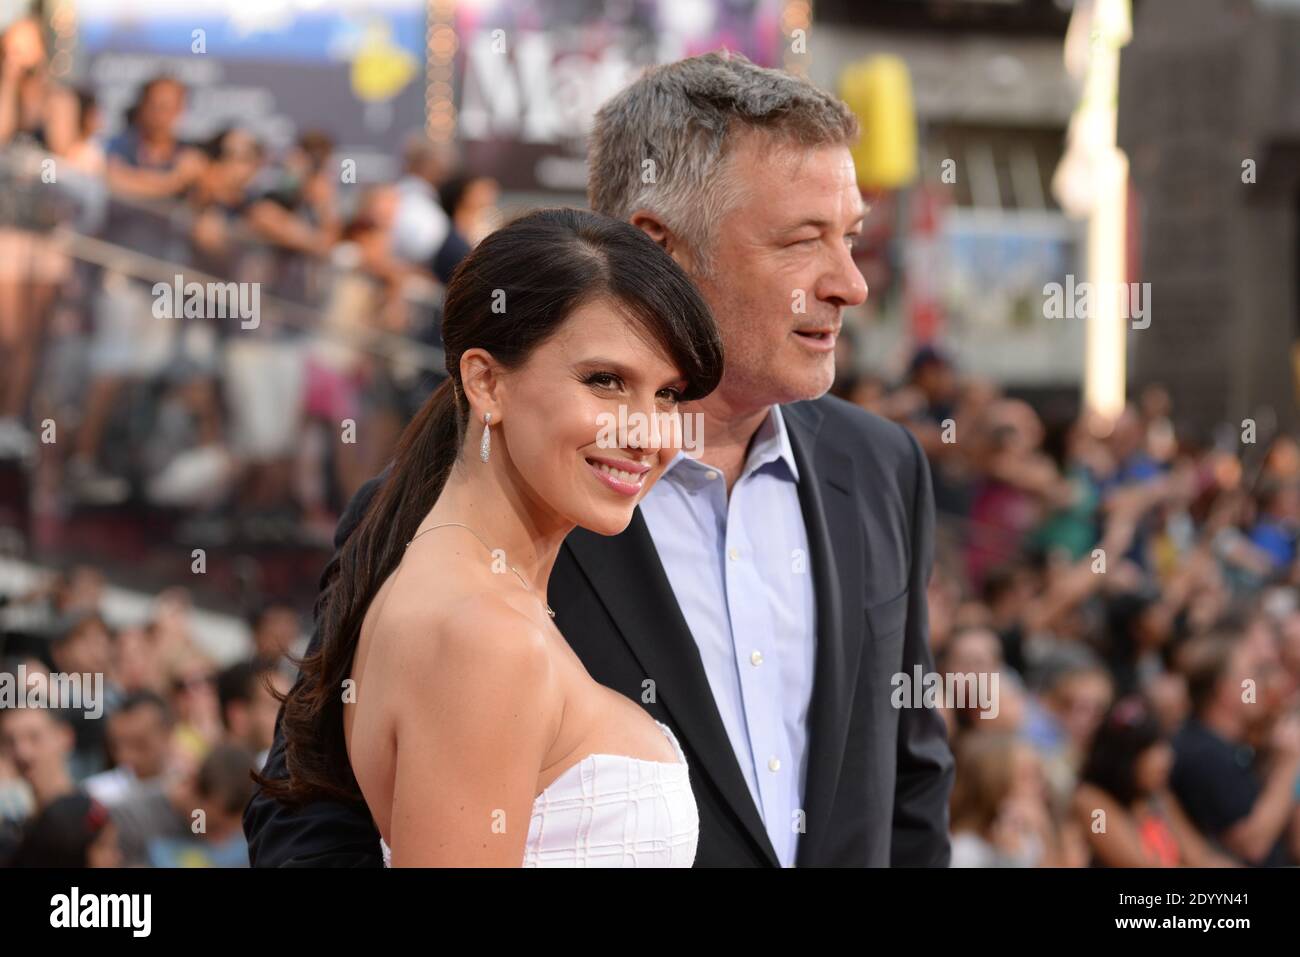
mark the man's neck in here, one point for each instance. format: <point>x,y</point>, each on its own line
<point>729,430</point>
<point>158,140</point>
<point>1224,724</point>
<point>54,784</point>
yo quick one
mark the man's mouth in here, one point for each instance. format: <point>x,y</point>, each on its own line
<point>822,339</point>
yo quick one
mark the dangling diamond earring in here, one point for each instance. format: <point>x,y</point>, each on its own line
<point>485,444</point>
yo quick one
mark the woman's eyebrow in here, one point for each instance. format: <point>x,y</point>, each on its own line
<point>612,365</point>
<point>624,371</point>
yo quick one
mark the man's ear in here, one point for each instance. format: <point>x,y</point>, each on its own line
<point>654,227</point>
<point>650,224</point>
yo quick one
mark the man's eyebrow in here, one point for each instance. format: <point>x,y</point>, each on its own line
<point>810,221</point>
<point>820,223</point>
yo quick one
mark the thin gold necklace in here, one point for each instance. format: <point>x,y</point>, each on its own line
<point>521,578</point>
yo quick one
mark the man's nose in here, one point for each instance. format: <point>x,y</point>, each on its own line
<point>844,285</point>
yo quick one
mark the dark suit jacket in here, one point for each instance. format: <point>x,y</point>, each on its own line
<point>878,776</point>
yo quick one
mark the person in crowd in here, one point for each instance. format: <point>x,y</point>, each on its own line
<point>276,631</point>
<point>196,706</point>
<point>212,804</point>
<point>471,202</point>
<point>1124,802</point>
<point>1000,814</point>
<point>72,831</point>
<point>1240,798</point>
<point>39,743</point>
<point>137,666</point>
<point>422,232</point>
<point>85,648</point>
<point>1073,690</point>
<point>35,124</point>
<point>975,650</point>
<point>298,207</point>
<point>1276,530</point>
<point>249,705</point>
<point>148,160</point>
<point>139,744</point>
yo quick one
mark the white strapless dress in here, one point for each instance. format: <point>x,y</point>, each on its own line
<point>611,810</point>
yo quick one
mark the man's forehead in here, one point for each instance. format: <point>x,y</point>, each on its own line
<point>792,182</point>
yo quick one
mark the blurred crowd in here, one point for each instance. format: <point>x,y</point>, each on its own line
<point>284,416</point>
<point>1134,586</point>
<point>1136,590</point>
<point>156,772</point>
<point>216,431</point>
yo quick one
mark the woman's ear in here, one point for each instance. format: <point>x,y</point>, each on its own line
<point>480,378</point>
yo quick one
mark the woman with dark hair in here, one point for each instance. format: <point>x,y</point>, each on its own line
<point>1124,800</point>
<point>471,202</point>
<point>71,831</point>
<point>442,694</point>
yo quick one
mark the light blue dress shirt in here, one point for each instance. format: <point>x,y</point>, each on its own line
<point>741,572</point>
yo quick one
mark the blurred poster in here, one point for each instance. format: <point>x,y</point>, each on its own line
<point>995,267</point>
<point>529,77</point>
<point>353,68</point>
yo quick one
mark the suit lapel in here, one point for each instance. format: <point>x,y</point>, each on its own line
<point>629,579</point>
<point>835,540</point>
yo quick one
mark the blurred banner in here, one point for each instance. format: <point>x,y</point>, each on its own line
<point>529,77</point>
<point>352,67</point>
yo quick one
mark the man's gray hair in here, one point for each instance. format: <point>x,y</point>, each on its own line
<point>663,144</point>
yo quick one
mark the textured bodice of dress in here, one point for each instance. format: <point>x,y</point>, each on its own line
<point>611,810</point>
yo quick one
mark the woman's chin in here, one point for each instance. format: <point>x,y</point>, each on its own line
<point>607,521</point>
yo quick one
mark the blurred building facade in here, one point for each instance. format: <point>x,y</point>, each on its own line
<point>980,232</point>
<point>1210,120</point>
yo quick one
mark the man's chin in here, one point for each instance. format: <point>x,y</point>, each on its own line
<point>802,384</point>
<point>790,379</point>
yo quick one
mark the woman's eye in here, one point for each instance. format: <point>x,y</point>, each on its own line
<point>672,395</point>
<point>603,379</point>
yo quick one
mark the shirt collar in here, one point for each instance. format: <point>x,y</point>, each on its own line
<point>771,444</point>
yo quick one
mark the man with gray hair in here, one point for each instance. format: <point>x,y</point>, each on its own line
<point>768,590</point>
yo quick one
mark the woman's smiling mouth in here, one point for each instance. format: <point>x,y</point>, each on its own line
<point>621,475</point>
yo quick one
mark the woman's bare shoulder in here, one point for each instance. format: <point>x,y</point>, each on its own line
<point>472,637</point>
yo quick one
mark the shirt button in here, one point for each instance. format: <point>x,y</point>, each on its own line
<point>756,658</point>
<point>733,554</point>
<point>774,764</point>
<point>710,475</point>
